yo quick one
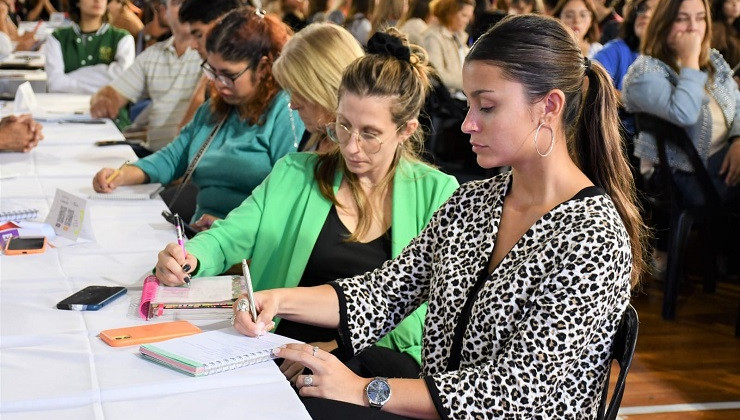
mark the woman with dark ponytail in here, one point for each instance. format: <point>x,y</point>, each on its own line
<point>527,274</point>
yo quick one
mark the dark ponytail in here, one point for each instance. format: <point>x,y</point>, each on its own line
<point>539,53</point>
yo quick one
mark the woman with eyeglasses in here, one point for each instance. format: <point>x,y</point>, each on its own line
<point>247,119</point>
<point>322,216</point>
<point>580,17</point>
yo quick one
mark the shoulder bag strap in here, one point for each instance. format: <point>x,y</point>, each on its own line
<point>196,159</point>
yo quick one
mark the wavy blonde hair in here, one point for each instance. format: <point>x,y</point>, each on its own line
<point>311,66</point>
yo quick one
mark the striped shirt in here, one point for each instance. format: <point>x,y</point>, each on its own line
<point>168,80</point>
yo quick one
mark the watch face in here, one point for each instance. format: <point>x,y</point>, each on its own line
<point>378,391</point>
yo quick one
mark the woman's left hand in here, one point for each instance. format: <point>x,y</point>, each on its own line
<point>292,369</point>
<point>331,379</point>
<point>204,223</point>
<point>731,164</point>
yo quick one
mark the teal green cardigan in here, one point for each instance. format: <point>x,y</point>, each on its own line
<point>239,158</point>
<point>277,227</point>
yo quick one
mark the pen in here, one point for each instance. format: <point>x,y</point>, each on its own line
<point>115,173</point>
<point>250,291</point>
<point>181,242</point>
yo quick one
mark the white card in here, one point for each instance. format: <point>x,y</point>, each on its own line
<point>25,99</point>
<point>69,216</point>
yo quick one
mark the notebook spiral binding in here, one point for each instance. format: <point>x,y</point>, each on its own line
<point>16,215</point>
<point>235,362</point>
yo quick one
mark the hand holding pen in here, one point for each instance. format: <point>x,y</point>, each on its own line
<point>104,179</point>
<point>173,266</point>
<point>180,228</point>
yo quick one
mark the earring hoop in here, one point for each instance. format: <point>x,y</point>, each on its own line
<point>552,141</point>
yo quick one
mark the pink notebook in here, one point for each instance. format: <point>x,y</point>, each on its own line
<point>218,292</point>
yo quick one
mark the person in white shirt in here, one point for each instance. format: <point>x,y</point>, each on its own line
<point>167,73</point>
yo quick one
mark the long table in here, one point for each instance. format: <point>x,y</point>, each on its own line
<point>52,364</point>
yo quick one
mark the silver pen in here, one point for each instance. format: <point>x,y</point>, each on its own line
<point>250,290</point>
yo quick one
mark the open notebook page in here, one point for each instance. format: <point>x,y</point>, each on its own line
<point>193,352</point>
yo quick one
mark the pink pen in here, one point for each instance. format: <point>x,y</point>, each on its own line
<point>181,241</point>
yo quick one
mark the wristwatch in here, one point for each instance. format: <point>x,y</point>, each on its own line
<point>378,392</point>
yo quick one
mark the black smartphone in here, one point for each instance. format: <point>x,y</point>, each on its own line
<point>189,231</point>
<point>92,298</point>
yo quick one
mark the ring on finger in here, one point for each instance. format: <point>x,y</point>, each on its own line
<point>233,319</point>
<point>242,305</point>
<point>308,380</point>
<point>315,349</point>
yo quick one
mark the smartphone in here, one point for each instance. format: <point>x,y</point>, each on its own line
<point>141,334</point>
<point>92,298</point>
<point>25,245</point>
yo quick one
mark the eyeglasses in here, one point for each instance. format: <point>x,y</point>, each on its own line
<point>215,76</point>
<point>368,142</point>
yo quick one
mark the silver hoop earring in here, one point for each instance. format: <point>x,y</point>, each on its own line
<point>552,141</point>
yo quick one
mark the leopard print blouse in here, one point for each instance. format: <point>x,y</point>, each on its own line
<point>530,340</point>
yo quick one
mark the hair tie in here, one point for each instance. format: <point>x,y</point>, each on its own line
<point>389,45</point>
<point>587,65</point>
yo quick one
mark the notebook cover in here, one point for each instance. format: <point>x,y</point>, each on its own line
<point>151,307</point>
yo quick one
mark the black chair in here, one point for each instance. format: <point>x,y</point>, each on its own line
<point>445,144</point>
<point>666,197</point>
<point>623,349</point>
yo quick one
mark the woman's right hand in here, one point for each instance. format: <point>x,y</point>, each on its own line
<point>267,303</point>
<point>172,267</point>
<point>100,181</point>
<point>687,46</point>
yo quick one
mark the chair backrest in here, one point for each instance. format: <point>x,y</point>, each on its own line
<point>665,133</point>
<point>623,349</point>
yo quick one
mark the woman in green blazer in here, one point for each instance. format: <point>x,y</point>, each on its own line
<point>319,216</point>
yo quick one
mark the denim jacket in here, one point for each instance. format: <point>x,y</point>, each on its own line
<point>653,87</point>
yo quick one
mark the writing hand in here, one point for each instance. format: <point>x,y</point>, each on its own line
<point>172,268</point>
<point>267,303</point>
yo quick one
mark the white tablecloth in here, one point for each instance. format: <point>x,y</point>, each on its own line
<point>52,364</point>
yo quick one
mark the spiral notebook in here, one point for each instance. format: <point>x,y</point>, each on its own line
<point>213,352</point>
<point>215,294</point>
<point>130,192</point>
<point>13,211</point>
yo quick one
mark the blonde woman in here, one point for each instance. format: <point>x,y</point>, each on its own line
<point>310,69</point>
<point>387,13</point>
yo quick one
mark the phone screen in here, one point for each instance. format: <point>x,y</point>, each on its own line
<point>17,244</point>
<point>92,298</point>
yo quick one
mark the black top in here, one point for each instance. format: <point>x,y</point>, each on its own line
<point>333,257</point>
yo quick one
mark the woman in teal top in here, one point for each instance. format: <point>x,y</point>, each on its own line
<point>258,126</point>
<point>318,216</point>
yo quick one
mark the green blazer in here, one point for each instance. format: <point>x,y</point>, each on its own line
<point>277,226</point>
